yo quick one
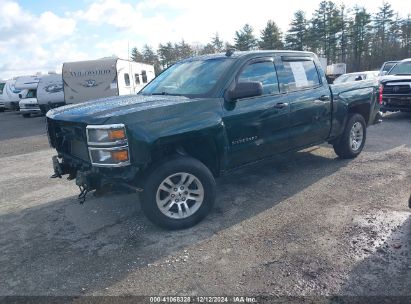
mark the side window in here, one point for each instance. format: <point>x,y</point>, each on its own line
<point>300,74</point>
<point>263,72</point>
<point>137,78</point>
<point>127,79</point>
<point>144,76</point>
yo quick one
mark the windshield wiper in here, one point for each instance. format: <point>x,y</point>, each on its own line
<point>167,94</point>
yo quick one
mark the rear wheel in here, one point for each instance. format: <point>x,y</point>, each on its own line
<point>178,193</point>
<point>353,138</point>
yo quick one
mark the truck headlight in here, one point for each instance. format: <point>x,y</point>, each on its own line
<point>108,146</point>
<point>110,157</point>
<point>106,134</point>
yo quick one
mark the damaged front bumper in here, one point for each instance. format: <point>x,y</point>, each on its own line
<point>89,178</point>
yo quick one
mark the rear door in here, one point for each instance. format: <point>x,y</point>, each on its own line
<point>257,126</point>
<point>309,99</point>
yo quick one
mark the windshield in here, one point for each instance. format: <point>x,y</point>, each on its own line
<point>402,68</point>
<point>348,78</point>
<point>388,66</point>
<point>31,94</point>
<point>189,78</point>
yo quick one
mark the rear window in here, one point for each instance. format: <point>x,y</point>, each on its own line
<point>300,75</point>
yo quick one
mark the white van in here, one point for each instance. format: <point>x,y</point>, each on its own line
<point>50,92</point>
<point>88,80</point>
<point>28,97</point>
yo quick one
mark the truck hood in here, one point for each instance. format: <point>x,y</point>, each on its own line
<point>399,78</point>
<point>100,110</point>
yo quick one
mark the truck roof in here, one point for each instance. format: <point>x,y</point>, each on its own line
<point>239,54</point>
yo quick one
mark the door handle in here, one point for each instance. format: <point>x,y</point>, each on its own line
<point>324,98</point>
<point>281,105</point>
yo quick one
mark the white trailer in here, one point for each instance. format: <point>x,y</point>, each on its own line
<point>2,84</point>
<point>28,97</point>
<point>88,80</point>
<point>50,92</point>
<point>336,69</point>
<point>10,95</point>
<point>27,82</point>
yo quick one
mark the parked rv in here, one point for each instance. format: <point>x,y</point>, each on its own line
<point>88,80</point>
<point>11,95</point>
<point>50,92</point>
<point>2,84</point>
<point>28,97</point>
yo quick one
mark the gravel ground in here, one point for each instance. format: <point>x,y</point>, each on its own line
<point>303,224</point>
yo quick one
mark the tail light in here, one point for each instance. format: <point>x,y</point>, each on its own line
<point>380,94</point>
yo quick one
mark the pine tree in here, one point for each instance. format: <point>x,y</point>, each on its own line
<point>382,27</point>
<point>136,55</point>
<point>217,43</point>
<point>183,50</point>
<point>324,30</point>
<point>150,57</point>
<point>244,39</point>
<point>296,37</point>
<point>271,37</point>
<point>359,33</point>
<point>166,54</point>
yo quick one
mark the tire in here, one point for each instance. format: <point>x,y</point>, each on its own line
<point>346,148</point>
<point>1,109</point>
<point>26,115</point>
<point>159,189</point>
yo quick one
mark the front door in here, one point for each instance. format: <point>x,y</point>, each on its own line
<point>257,126</point>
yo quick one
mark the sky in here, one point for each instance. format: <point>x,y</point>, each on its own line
<point>38,36</point>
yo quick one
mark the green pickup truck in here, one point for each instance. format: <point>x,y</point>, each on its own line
<point>203,117</point>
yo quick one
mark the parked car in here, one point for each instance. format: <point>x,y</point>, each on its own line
<point>203,117</point>
<point>357,76</point>
<point>386,67</point>
<point>396,88</point>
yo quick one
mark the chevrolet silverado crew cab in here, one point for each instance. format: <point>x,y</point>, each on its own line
<point>396,88</point>
<point>202,117</point>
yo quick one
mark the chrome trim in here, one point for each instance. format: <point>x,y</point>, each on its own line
<point>106,127</point>
<point>122,164</point>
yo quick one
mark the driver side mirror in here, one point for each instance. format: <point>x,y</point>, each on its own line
<point>20,96</point>
<point>246,89</point>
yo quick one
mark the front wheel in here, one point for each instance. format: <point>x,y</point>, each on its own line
<point>353,138</point>
<point>178,193</point>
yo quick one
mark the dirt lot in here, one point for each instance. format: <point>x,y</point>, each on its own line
<point>302,224</point>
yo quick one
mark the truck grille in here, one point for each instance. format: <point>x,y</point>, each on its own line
<point>68,138</point>
<point>397,89</point>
